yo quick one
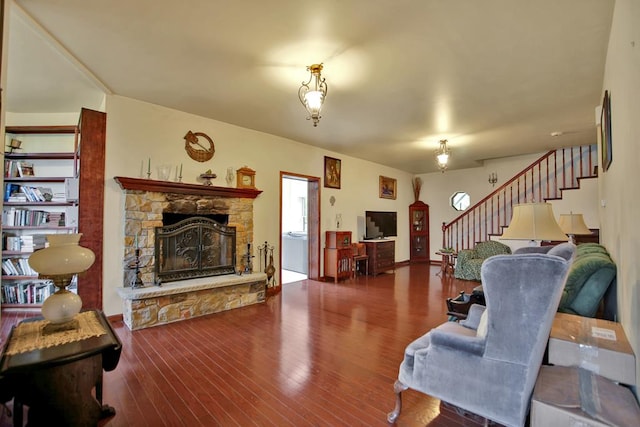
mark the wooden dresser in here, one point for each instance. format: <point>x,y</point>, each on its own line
<point>382,255</point>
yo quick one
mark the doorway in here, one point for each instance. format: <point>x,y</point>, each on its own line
<point>299,227</point>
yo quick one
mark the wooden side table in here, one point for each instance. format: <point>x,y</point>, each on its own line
<point>57,382</point>
<point>448,263</point>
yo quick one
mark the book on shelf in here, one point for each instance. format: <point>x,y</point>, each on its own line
<point>28,292</point>
<point>25,169</point>
<point>10,169</point>
<point>17,267</point>
<point>11,243</point>
<point>32,242</point>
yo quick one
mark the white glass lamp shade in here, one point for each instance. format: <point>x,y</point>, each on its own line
<point>313,101</point>
<point>443,159</point>
<point>533,221</point>
<point>60,262</point>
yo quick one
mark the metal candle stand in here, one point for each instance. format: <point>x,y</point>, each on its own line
<point>137,281</point>
<point>269,269</point>
<point>248,268</point>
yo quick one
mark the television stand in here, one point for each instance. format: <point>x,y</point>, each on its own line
<point>382,255</point>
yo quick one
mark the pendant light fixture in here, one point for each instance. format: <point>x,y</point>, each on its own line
<point>313,92</point>
<point>442,155</point>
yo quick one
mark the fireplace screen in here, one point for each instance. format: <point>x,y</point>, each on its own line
<point>194,247</point>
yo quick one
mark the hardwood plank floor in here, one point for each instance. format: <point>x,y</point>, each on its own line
<point>317,354</point>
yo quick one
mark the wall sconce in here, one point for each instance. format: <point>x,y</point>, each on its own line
<point>493,178</point>
<point>442,155</point>
<point>312,97</point>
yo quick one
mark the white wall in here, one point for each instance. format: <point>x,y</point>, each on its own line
<point>137,130</point>
<point>438,188</point>
<point>619,189</point>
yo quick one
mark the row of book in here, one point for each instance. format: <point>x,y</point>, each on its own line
<point>23,217</point>
<point>32,292</point>
<point>17,168</point>
<point>27,243</point>
<point>25,193</point>
<point>17,267</point>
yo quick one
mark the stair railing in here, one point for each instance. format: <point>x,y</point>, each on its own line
<point>542,180</point>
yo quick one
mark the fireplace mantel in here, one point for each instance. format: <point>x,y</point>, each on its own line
<point>140,184</point>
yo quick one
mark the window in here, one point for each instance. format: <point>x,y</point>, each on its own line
<point>460,201</point>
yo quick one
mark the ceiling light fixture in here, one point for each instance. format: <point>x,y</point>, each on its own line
<point>442,155</point>
<point>312,97</point>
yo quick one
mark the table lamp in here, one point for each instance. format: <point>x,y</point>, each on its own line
<point>60,262</point>
<point>534,222</point>
<point>572,225</point>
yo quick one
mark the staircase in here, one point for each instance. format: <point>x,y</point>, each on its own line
<point>543,180</point>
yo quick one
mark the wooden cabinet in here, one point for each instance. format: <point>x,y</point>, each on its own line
<point>419,232</point>
<point>40,168</point>
<point>382,256</point>
<point>337,255</point>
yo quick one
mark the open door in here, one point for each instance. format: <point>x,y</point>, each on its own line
<point>299,227</point>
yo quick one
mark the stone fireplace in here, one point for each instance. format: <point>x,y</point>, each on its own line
<point>147,205</point>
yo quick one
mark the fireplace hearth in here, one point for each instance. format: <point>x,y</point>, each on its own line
<point>182,254</point>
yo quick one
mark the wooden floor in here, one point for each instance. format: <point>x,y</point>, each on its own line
<point>318,354</point>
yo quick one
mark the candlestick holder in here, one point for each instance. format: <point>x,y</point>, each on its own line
<point>248,268</point>
<point>137,281</point>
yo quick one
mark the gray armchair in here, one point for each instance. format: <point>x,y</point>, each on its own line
<point>495,354</point>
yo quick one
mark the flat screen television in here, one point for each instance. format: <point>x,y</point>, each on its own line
<point>380,224</point>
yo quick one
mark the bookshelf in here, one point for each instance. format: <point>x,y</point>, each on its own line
<point>39,197</point>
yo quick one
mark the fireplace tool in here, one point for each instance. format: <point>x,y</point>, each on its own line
<point>269,269</point>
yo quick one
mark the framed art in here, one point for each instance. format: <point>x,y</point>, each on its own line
<point>388,187</point>
<point>332,171</point>
<point>605,132</point>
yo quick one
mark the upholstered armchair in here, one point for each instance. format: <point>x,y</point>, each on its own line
<point>493,357</point>
<point>470,260</point>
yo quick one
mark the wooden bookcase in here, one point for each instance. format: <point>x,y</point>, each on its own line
<point>86,141</point>
<point>36,203</point>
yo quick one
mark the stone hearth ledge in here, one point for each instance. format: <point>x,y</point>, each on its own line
<point>175,301</point>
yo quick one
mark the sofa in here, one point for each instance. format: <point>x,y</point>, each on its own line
<point>469,261</point>
<point>591,279</point>
<point>591,275</point>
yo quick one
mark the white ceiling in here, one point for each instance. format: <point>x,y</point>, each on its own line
<point>494,77</point>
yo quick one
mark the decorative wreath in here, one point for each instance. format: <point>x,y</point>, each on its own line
<point>197,151</point>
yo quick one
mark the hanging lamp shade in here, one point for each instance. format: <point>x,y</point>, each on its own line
<point>442,155</point>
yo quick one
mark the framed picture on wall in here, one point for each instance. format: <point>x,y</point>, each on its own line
<point>605,132</point>
<point>388,187</point>
<point>332,171</point>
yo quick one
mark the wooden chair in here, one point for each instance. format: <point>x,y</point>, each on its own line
<point>359,251</point>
